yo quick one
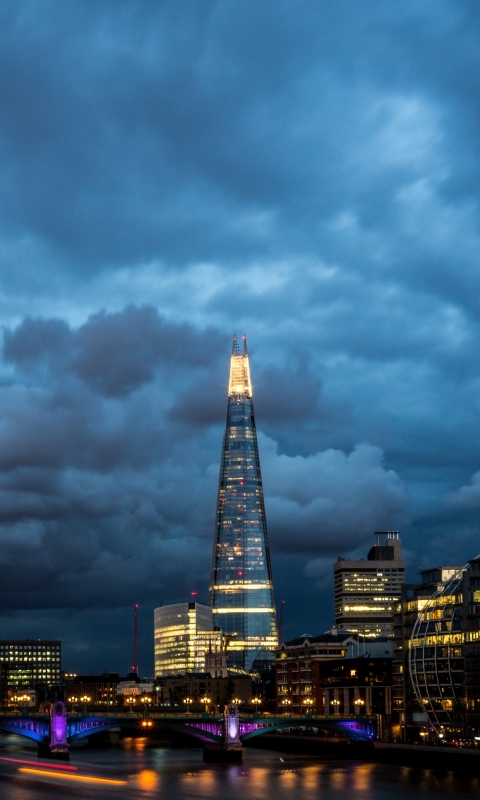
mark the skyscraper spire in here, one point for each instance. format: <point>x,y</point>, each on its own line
<point>241,586</point>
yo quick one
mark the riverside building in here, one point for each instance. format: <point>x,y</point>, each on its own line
<point>367,591</point>
<point>29,664</point>
<point>437,653</point>
<point>241,585</point>
<point>183,637</point>
<point>335,673</point>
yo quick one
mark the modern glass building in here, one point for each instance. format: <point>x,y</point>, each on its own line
<point>183,635</point>
<point>435,651</point>
<point>241,586</point>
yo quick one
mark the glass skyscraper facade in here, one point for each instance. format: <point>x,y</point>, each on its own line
<point>183,635</point>
<point>241,586</point>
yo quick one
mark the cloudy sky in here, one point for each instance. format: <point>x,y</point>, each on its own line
<point>173,173</point>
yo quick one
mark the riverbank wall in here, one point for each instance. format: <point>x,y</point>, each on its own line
<point>439,758</point>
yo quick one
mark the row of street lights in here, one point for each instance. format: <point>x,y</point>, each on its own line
<point>83,699</point>
<point>207,700</point>
<point>309,703</point>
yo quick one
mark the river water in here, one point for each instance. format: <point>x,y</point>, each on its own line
<point>138,771</point>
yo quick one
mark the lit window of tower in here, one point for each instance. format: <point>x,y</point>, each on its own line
<point>241,586</point>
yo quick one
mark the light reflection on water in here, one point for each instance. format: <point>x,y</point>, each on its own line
<point>180,774</point>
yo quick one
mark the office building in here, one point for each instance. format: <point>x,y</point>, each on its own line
<point>367,591</point>
<point>28,664</point>
<point>241,586</point>
<point>409,716</point>
<point>183,636</point>
<point>437,651</point>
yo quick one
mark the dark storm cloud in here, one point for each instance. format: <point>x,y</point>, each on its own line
<point>174,172</point>
<point>131,130</point>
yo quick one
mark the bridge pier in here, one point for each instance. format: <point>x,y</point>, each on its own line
<point>230,750</point>
<point>58,746</point>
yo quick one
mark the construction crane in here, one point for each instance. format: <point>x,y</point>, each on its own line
<point>135,640</point>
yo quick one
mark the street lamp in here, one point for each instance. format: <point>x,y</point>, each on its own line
<point>206,701</point>
<point>308,703</point>
<point>286,702</point>
<point>335,704</point>
<point>188,701</point>
<point>359,703</point>
<point>145,700</point>
<point>236,701</point>
<point>85,699</point>
<point>256,701</point>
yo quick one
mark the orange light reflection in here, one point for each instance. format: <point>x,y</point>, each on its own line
<point>65,777</point>
<point>148,779</point>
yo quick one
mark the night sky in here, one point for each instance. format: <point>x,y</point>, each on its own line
<point>176,172</point>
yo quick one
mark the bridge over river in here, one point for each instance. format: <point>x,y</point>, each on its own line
<point>54,732</point>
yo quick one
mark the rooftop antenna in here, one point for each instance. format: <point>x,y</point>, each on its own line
<point>135,640</point>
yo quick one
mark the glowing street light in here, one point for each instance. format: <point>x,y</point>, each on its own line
<point>335,704</point>
<point>308,703</point>
<point>188,701</point>
<point>286,702</point>
<point>85,699</point>
<point>256,701</point>
<point>359,703</point>
<point>206,701</point>
<point>236,701</point>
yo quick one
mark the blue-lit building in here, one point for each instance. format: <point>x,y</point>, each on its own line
<point>241,586</point>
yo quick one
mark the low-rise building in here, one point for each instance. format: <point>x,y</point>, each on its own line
<point>191,689</point>
<point>299,663</point>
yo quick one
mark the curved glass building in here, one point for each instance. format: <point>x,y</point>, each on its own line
<point>241,586</point>
<point>436,653</point>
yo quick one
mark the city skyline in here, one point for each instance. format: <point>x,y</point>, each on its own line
<point>173,173</point>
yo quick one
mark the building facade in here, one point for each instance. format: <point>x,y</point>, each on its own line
<point>29,664</point>
<point>367,591</point>
<point>336,673</point>
<point>101,690</point>
<point>199,690</point>
<point>183,636</point>
<point>437,656</point>
<point>241,585</point>
<point>300,668</point>
<point>409,717</point>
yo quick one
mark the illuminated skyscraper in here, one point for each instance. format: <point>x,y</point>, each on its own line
<point>241,586</point>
